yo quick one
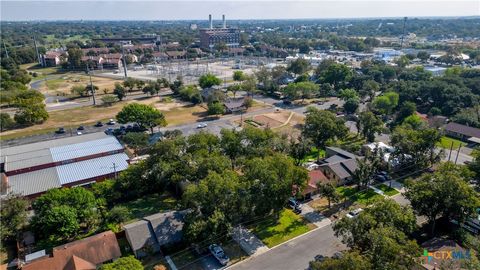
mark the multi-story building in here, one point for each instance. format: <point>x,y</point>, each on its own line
<point>210,37</point>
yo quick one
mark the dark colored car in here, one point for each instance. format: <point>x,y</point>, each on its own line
<point>60,130</point>
<point>109,131</point>
<point>81,128</point>
<point>99,124</point>
<point>292,203</point>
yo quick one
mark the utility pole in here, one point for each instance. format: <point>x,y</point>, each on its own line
<point>115,170</point>
<point>5,47</point>
<point>36,51</point>
<point>91,86</point>
<point>124,61</point>
<point>403,32</point>
<point>458,152</point>
<point>450,154</point>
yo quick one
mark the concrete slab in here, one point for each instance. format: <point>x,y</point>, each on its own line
<point>248,241</point>
<point>314,217</point>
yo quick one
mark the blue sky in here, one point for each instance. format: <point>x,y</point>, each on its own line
<point>234,9</point>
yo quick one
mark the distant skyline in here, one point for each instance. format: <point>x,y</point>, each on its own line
<point>233,9</point>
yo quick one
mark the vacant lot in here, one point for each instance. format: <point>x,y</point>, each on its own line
<point>276,231</point>
<point>176,113</point>
<point>63,84</point>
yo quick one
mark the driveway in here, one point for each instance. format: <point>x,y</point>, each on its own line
<point>295,254</point>
<point>314,217</point>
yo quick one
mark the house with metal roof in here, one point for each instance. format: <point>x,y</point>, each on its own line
<point>32,169</point>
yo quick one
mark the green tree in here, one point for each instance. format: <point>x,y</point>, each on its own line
<point>369,88</point>
<point>13,217</point>
<point>402,61</point>
<point>444,193</point>
<point>176,85</point>
<point>74,57</point>
<point>118,214</point>
<point>328,191</point>
<point>406,109</point>
<point>351,260</point>
<point>248,102</point>
<point>300,148</point>
<point>79,90</point>
<point>150,89</point>
<point>215,108</point>
<point>323,126</point>
<point>423,55</point>
<point>298,66</point>
<point>136,140</point>
<point>59,221</point>
<point>208,80</point>
<point>338,75</point>
<point>130,83</point>
<point>30,112</point>
<point>6,122</point>
<point>119,91</point>
<point>238,76</point>
<point>249,84</point>
<point>415,145</point>
<point>386,103</point>
<point>351,105</point>
<point>143,115</point>
<point>369,125</point>
<point>348,93</point>
<point>300,90</point>
<point>124,263</point>
<point>108,100</point>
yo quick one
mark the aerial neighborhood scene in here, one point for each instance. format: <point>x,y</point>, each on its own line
<point>241,135</point>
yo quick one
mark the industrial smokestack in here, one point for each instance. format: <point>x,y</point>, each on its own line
<point>224,22</point>
<point>210,21</point>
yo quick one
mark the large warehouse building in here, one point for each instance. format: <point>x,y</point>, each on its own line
<point>32,169</point>
<point>209,37</point>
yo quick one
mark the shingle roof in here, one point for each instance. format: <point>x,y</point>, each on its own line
<point>92,250</point>
<point>340,152</point>
<point>343,169</point>
<point>167,226</point>
<point>139,235</point>
<point>463,129</point>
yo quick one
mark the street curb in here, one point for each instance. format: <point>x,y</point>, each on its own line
<point>251,257</point>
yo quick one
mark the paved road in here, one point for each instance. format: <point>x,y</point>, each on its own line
<point>295,254</point>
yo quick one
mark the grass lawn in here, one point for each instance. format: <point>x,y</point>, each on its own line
<point>446,142</point>
<point>387,190</point>
<point>364,197</point>
<point>313,155</point>
<point>149,205</point>
<point>289,225</point>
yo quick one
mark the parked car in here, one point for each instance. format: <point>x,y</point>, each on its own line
<point>99,124</point>
<point>292,203</point>
<point>109,131</point>
<point>111,122</point>
<point>81,128</point>
<point>219,254</point>
<point>337,255</point>
<point>319,258</point>
<point>354,213</point>
<point>202,125</point>
<point>60,130</point>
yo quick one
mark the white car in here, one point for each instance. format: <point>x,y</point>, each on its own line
<point>219,254</point>
<point>202,125</point>
<point>354,213</point>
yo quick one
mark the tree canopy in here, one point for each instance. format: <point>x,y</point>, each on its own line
<point>141,114</point>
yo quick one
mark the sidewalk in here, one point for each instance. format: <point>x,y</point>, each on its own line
<point>248,241</point>
<point>314,217</point>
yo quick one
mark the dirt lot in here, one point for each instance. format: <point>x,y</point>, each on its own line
<point>175,112</point>
<point>63,84</point>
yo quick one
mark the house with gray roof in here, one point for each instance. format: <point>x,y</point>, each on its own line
<point>339,165</point>
<point>148,235</point>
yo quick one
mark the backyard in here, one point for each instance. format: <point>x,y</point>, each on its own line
<point>274,231</point>
<point>149,205</point>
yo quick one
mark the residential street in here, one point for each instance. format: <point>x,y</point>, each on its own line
<point>295,254</point>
